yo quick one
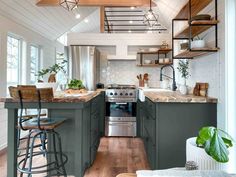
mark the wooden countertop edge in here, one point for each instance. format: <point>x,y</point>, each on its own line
<point>60,99</point>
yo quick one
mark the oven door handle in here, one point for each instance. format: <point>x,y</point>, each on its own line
<point>121,103</point>
<point>120,123</point>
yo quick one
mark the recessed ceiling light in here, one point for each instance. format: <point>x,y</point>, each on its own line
<point>86,20</point>
<point>149,31</point>
<point>77,16</point>
<point>130,31</point>
<point>130,21</point>
<point>132,8</point>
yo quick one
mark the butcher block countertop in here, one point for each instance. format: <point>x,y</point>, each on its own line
<point>61,97</point>
<point>171,96</point>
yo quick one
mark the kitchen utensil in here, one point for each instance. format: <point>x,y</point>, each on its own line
<point>138,77</point>
<point>145,77</point>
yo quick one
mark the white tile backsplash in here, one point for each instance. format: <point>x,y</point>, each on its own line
<point>125,72</point>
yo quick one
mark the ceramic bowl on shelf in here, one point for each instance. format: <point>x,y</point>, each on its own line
<point>147,61</point>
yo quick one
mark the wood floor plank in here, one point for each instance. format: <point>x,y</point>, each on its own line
<point>114,156</point>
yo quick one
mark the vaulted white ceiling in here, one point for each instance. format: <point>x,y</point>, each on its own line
<point>52,22</point>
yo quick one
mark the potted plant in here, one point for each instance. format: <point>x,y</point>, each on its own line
<point>52,71</point>
<point>210,149</point>
<point>198,42</point>
<point>183,68</point>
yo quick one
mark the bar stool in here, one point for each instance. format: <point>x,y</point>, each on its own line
<point>40,127</point>
<point>25,114</point>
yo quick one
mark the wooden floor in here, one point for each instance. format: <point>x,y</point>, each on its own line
<point>114,156</point>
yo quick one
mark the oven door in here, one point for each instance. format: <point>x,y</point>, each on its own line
<point>120,109</point>
<point>120,129</point>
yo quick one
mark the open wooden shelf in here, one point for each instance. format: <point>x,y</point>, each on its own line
<point>195,53</point>
<point>154,65</point>
<point>196,30</point>
<point>197,6</point>
<point>160,51</point>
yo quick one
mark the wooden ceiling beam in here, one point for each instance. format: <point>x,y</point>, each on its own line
<point>108,3</point>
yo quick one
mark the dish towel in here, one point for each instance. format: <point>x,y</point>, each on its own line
<point>181,172</point>
<point>141,95</point>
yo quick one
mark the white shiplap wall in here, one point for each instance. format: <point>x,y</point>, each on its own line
<point>211,68</point>
<point>30,37</point>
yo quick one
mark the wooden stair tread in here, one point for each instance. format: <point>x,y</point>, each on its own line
<point>196,30</point>
<point>197,6</point>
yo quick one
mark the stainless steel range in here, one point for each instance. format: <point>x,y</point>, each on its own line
<point>120,117</point>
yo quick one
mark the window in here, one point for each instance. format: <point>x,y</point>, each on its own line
<point>34,63</point>
<point>13,60</point>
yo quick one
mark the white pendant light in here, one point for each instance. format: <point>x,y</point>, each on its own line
<point>151,18</point>
<point>69,4</point>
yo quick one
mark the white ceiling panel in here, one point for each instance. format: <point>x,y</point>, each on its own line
<point>50,22</point>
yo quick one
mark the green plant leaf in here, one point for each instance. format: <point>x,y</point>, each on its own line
<point>205,134</point>
<point>218,149</point>
<point>207,146</point>
<point>227,142</point>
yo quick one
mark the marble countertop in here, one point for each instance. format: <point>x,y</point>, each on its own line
<point>61,97</point>
<point>170,96</point>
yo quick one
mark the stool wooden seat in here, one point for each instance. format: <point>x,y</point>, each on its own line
<point>127,175</point>
<point>45,123</point>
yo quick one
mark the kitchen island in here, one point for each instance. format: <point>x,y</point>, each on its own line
<point>167,119</point>
<point>80,133</point>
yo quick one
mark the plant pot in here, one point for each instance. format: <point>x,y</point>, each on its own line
<point>183,89</point>
<point>52,85</point>
<point>203,160</point>
<point>198,44</point>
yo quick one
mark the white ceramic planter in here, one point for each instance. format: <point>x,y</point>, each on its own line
<point>198,44</point>
<point>183,89</point>
<point>204,161</point>
<point>52,85</point>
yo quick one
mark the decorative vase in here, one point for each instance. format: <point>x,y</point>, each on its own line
<point>199,155</point>
<point>183,88</point>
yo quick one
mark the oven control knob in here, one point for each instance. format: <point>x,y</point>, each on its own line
<point>131,94</point>
<point>111,93</point>
<point>121,94</point>
<point>115,94</point>
<point>126,94</point>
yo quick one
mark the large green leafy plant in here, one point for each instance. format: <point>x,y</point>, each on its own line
<point>76,84</point>
<point>215,142</point>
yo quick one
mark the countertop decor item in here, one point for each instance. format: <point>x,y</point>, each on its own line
<point>183,67</point>
<point>52,70</point>
<point>201,89</point>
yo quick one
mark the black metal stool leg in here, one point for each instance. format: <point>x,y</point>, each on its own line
<point>31,155</point>
<point>26,152</point>
<point>55,151</point>
<point>60,153</point>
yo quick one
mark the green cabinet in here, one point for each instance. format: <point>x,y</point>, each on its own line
<point>164,128</point>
